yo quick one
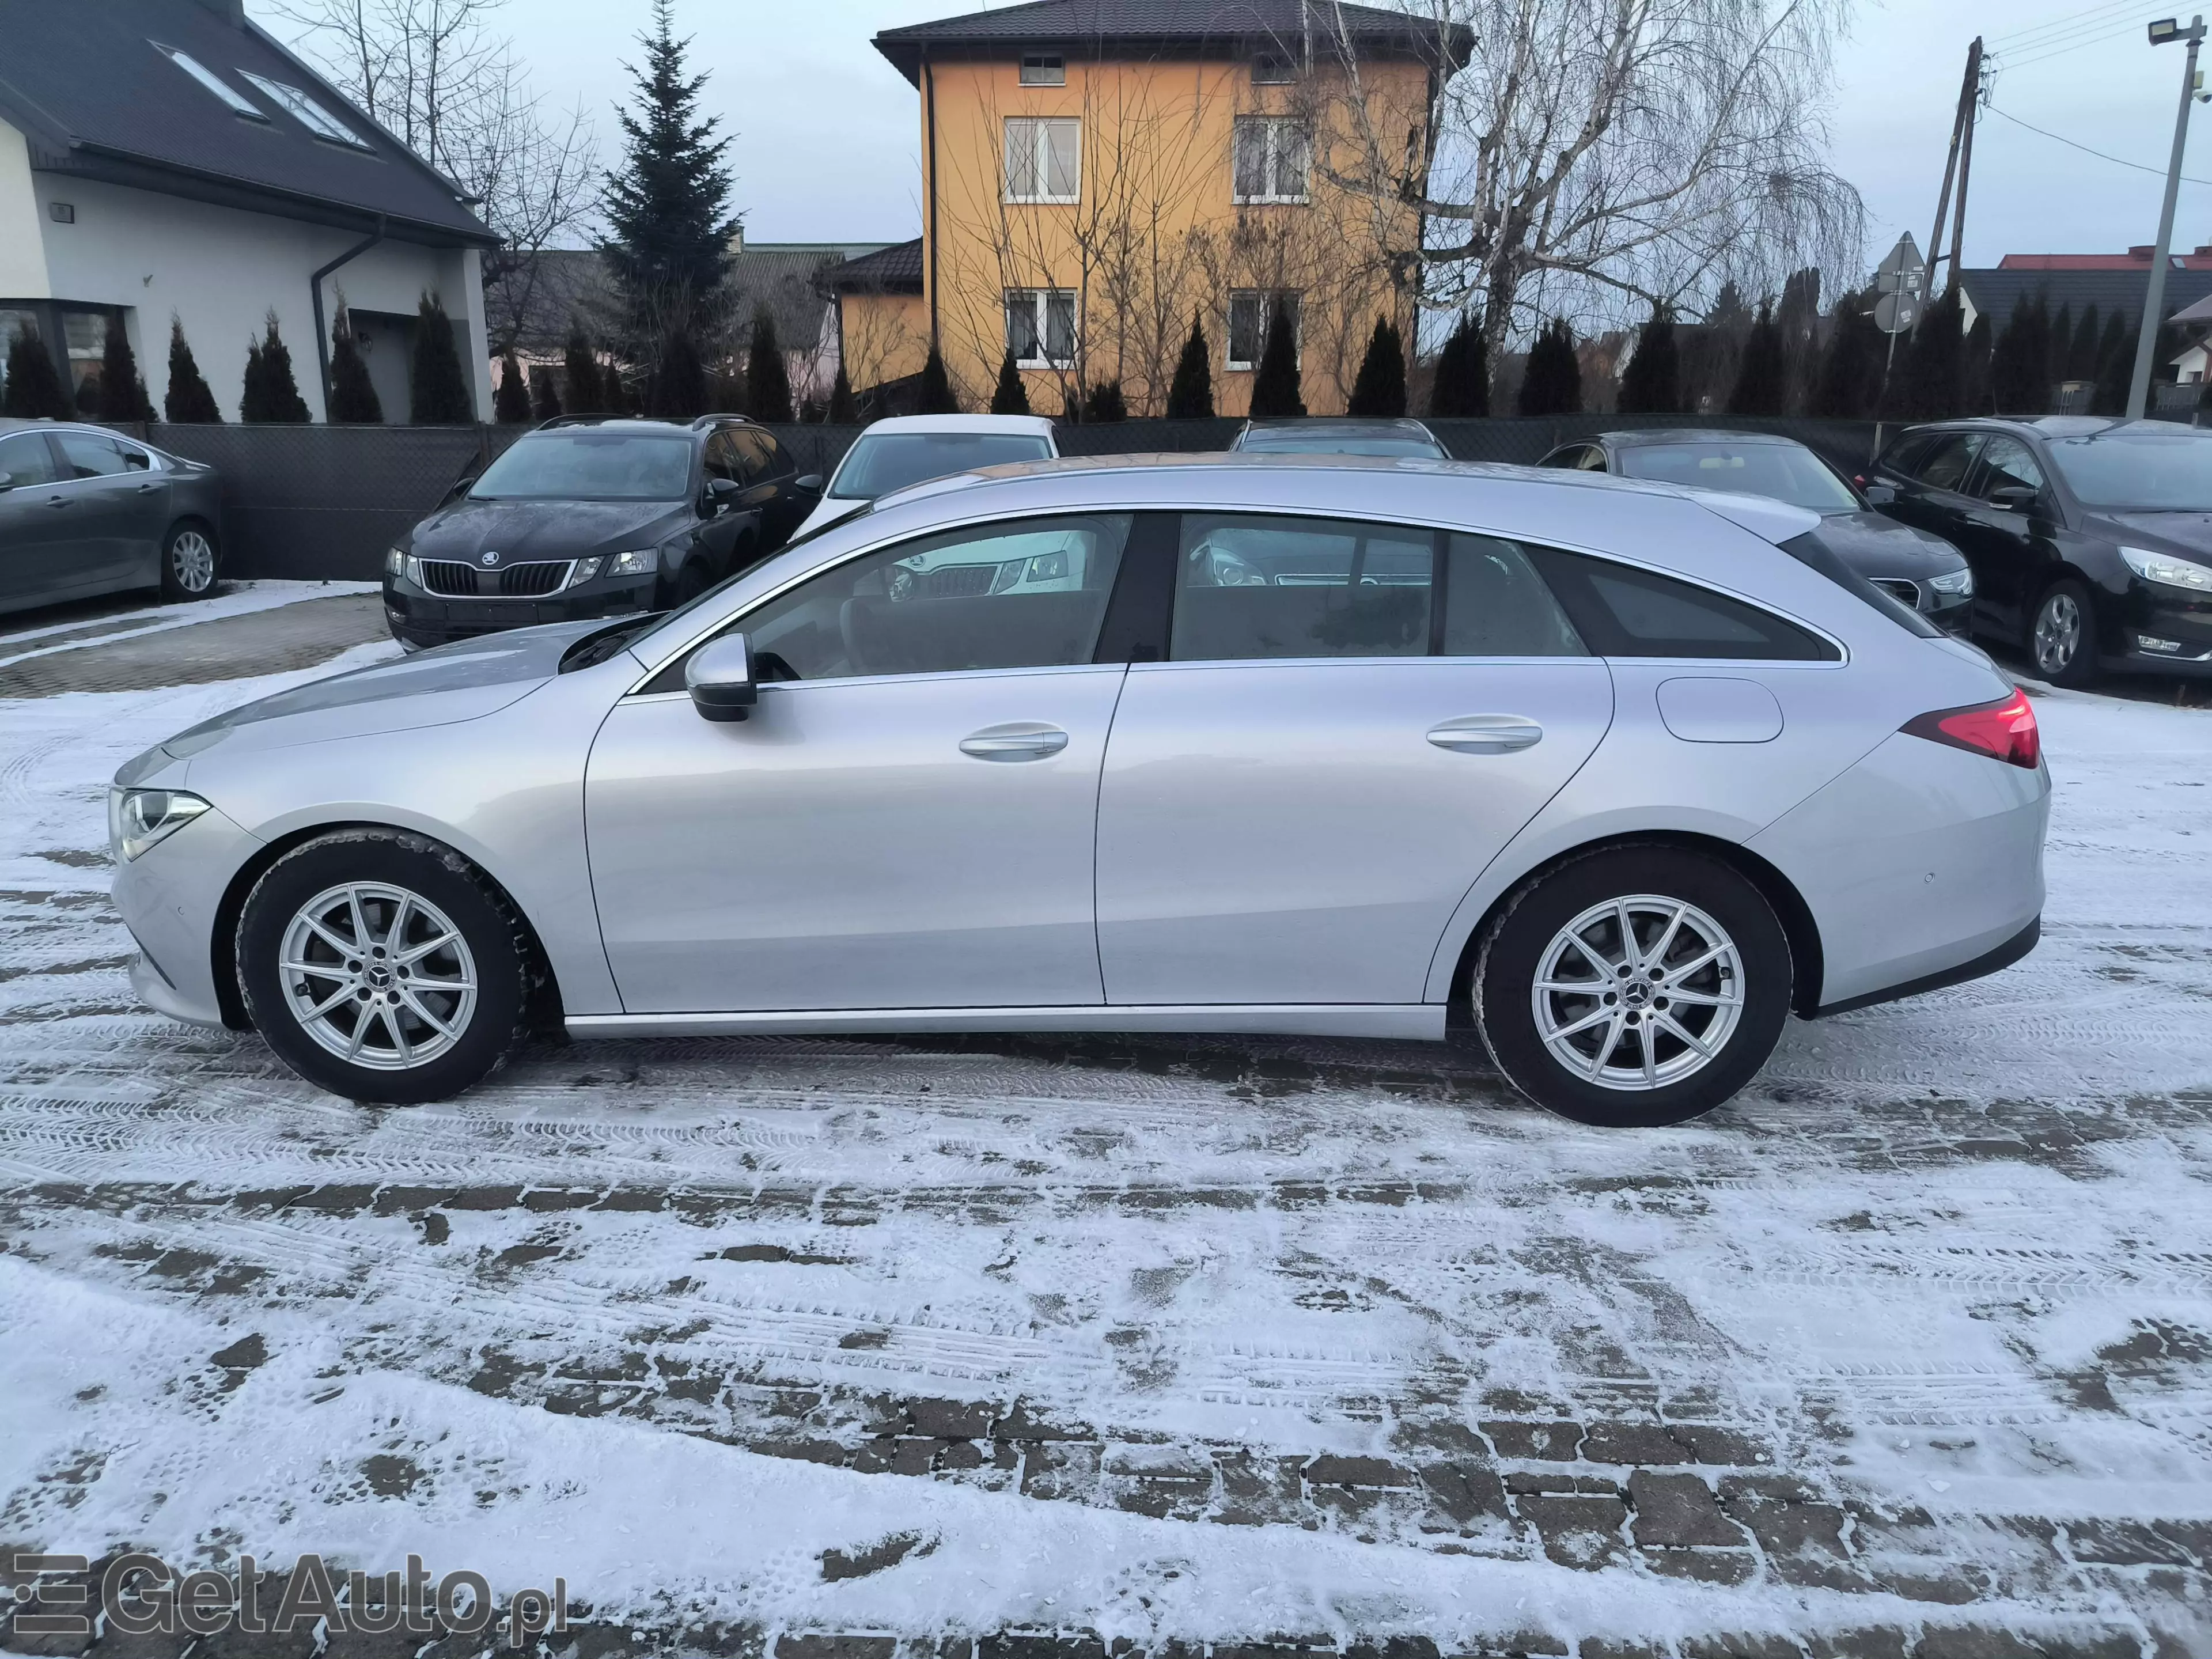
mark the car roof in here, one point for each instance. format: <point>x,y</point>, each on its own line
<point>1632,437</point>
<point>2057,426</point>
<point>1035,426</point>
<point>1331,426</point>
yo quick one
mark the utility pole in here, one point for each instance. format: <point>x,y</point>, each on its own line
<point>1961,123</point>
<point>2166,29</point>
<point>1967,113</point>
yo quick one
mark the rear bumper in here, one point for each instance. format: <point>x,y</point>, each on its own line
<point>1989,962</point>
<point>417,618</point>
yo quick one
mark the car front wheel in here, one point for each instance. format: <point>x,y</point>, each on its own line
<point>2063,638</point>
<point>1633,986</point>
<point>188,561</point>
<point>382,967</point>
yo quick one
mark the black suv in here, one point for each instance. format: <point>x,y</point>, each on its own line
<point>590,517</point>
<point>2091,540</point>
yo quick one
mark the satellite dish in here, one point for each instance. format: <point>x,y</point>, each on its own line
<point>1896,313</point>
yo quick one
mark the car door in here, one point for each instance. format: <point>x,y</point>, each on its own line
<point>37,523</point>
<point>148,513</point>
<point>907,819</point>
<point>2007,542</point>
<point>1351,720</point>
<point>722,525</point>
<point>107,508</point>
<point>786,507</point>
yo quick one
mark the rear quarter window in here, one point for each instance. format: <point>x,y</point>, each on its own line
<point>1622,612</point>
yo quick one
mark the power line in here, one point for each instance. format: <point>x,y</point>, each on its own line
<point>2058,46</point>
<point>2020,39</point>
<point>2115,160</point>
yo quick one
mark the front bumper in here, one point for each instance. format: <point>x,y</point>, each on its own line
<point>417,618</point>
<point>169,898</point>
<point>2160,631</point>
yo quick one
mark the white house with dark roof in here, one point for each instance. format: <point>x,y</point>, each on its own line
<point>169,157</point>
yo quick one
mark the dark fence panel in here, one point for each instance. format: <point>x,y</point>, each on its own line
<point>325,502</point>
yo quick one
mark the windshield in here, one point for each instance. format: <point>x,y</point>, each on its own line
<point>1298,443</point>
<point>590,466</point>
<point>1786,472</point>
<point>881,462</point>
<point>2138,471</point>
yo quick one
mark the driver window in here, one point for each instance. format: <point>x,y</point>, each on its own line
<point>721,458</point>
<point>2008,464</point>
<point>1945,464</point>
<point>1249,587</point>
<point>1029,594</point>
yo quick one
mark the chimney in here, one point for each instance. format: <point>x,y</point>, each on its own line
<point>2141,253</point>
<point>232,12</point>
<point>737,245</point>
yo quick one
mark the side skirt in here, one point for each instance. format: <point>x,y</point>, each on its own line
<point>1421,1022</point>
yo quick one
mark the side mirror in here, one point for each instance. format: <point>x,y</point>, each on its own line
<point>2015,498</point>
<point>809,484</point>
<point>1879,495</point>
<point>721,492</point>
<point>461,487</point>
<point>719,677</point>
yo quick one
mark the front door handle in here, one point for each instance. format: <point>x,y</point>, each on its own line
<point>59,501</point>
<point>148,488</point>
<point>1019,740</point>
<point>1486,734</point>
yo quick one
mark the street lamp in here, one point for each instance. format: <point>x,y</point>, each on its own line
<point>2163,32</point>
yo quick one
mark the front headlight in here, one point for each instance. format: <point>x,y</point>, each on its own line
<point>2164,569</point>
<point>395,562</point>
<point>137,818</point>
<point>1953,581</point>
<point>639,561</point>
<point>585,570</point>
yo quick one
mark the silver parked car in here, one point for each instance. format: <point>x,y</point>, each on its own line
<point>84,512</point>
<point>1618,775</point>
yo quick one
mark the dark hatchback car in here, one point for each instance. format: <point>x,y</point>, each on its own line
<point>1912,566</point>
<point>2091,540</point>
<point>83,512</point>
<point>1349,436</point>
<point>587,517</point>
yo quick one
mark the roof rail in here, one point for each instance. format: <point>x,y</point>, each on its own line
<point>709,420</point>
<point>571,420</point>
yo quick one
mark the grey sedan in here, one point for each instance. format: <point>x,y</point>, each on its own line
<point>84,512</point>
<point>1616,776</point>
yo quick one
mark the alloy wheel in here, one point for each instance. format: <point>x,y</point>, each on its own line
<point>1638,993</point>
<point>378,976</point>
<point>191,557</point>
<point>2057,633</point>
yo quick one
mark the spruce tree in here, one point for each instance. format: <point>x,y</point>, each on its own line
<point>35,385</point>
<point>2082,352</point>
<point>2116,367</point>
<point>510,402</point>
<point>1275,385</point>
<point>583,391</point>
<point>842,409</point>
<point>1379,389</point>
<point>1551,384</point>
<point>1459,386</point>
<point>677,388</point>
<point>1850,377</point>
<point>768,385</point>
<point>2060,348</point>
<point>1974,367</point>
<point>122,392</point>
<point>188,402</point>
<point>2011,372</point>
<point>1761,373</point>
<point>440,394</point>
<point>934,394</point>
<point>545,395</point>
<point>272,395</point>
<point>667,204</point>
<point>1103,402</point>
<point>1190,394</point>
<point>353,401</point>
<point>1009,396</point>
<point>1933,378</point>
<point>1652,383</point>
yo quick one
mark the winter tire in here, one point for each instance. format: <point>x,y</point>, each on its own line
<point>188,561</point>
<point>1634,987</point>
<point>2062,639</point>
<point>383,967</point>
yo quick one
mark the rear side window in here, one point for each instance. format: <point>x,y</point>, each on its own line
<point>1809,550</point>
<point>1497,605</point>
<point>1622,612</point>
<point>1946,462</point>
<point>25,459</point>
<point>1249,586</point>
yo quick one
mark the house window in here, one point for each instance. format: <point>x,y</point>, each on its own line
<point>1271,160</point>
<point>1044,159</point>
<point>1273,68</point>
<point>238,102</point>
<point>1041,328</point>
<point>1044,69</point>
<point>1250,312</point>
<point>306,111</point>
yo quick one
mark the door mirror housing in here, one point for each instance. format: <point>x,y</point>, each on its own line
<point>2015,498</point>
<point>720,493</point>
<point>809,484</point>
<point>1878,494</point>
<point>719,677</point>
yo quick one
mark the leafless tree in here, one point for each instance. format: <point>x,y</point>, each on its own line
<point>438,78</point>
<point>1596,157</point>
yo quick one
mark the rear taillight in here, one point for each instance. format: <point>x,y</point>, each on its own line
<point>2003,731</point>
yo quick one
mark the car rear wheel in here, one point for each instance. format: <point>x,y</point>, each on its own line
<point>188,560</point>
<point>2063,640</point>
<point>382,967</point>
<point>1634,987</point>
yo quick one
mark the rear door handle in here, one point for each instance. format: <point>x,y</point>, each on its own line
<point>1018,740</point>
<point>1486,734</point>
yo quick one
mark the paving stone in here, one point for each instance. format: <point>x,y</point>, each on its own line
<point>1678,1509</point>
<point>836,1647</point>
<point>1975,1641</point>
<point>1784,1515</point>
<point>1466,1492</point>
<point>1607,1647</point>
<point>1578,1531</point>
<point>1548,1480</point>
<point>1010,1645</point>
<point>1875,1642</point>
<point>1556,1442</point>
<point>2126,1543</point>
<point>1258,1491</point>
<point>915,1454</point>
<point>1333,1471</point>
<point>951,1419</point>
<point>1740,1645</point>
<point>1704,1567</point>
<point>1066,1468</point>
<point>1635,1445</point>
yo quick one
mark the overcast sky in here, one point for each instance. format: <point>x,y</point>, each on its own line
<point>826,133</point>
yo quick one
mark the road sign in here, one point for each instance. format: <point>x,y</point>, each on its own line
<point>1901,268</point>
<point>1896,313</point>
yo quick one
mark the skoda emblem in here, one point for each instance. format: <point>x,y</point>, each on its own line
<point>491,558</point>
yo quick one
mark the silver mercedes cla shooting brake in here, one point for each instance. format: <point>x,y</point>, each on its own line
<point>1616,774</point>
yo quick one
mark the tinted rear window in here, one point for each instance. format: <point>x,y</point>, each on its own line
<point>1809,550</point>
<point>1622,612</point>
<point>881,462</point>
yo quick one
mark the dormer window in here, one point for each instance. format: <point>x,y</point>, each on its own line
<point>308,112</point>
<point>1044,68</point>
<point>1272,69</point>
<point>238,103</point>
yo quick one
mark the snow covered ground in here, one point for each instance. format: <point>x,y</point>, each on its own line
<point>1201,1340</point>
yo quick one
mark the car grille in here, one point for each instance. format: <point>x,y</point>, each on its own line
<point>959,582</point>
<point>517,582</point>
<point>1903,589</point>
